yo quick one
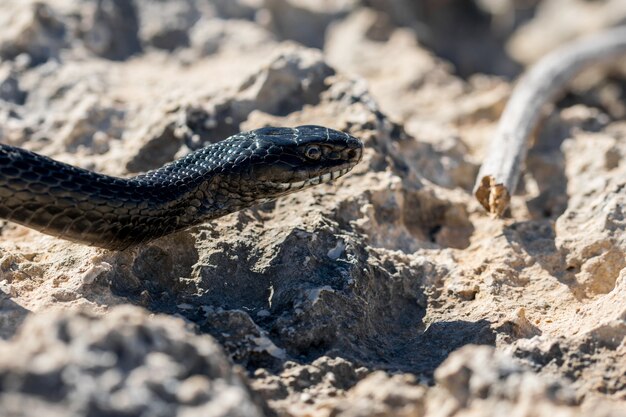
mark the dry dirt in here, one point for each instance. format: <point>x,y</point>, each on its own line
<point>389,292</point>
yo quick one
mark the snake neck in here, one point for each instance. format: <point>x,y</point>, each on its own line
<point>200,186</point>
<point>100,210</point>
<point>95,209</point>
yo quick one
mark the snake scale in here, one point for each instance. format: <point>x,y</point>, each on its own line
<point>114,213</point>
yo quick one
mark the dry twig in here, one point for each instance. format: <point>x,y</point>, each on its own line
<point>500,170</point>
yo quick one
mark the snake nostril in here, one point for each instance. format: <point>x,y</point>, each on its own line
<point>351,154</point>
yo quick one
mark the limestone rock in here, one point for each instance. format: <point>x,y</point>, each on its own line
<point>126,362</point>
<point>354,298</point>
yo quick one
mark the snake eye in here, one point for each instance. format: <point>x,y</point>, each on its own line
<point>313,152</point>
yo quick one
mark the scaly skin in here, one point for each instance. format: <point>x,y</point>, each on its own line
<point>115,213</point>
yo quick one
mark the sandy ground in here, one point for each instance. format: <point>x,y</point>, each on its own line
<point>389,292</point>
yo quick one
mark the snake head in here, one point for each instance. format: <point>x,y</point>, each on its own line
<point>291,159</point>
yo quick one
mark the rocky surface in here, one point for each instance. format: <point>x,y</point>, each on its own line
<point>127,362</point>
<point>386,293</point>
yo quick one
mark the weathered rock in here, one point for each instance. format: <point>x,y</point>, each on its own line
<point>479,378</point>
<point>382,395</point>
<point>324,294</point>
<point>32,28</point>
<point>236,9</point>
<point>590,233</point>
<point>209,36</point>
<point>471,35</point>
<point>352,47</point>
<point>305,21</point>
<point>592,356</point>
<point>110,28</point>
<point>9,87</point>
<point>293,78</point>
<point>126,362</point>
<point>165,24</point>
<point>530,42</point>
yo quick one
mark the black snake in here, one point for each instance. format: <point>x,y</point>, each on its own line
<point>115,213</point>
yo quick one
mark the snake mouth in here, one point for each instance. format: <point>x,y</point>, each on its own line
<point>335,173</point>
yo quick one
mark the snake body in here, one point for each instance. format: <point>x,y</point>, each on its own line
<point>115,213</point>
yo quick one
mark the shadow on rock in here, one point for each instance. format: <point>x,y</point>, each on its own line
<point>296,295</point>
<point>444,337</point>
<point>151,274</point>
<point>537,239</point>
<point>11,316</point>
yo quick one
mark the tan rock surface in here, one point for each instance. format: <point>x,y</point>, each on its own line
<point>348,299</point>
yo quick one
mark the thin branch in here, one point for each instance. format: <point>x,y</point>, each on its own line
<point>500,171</point>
